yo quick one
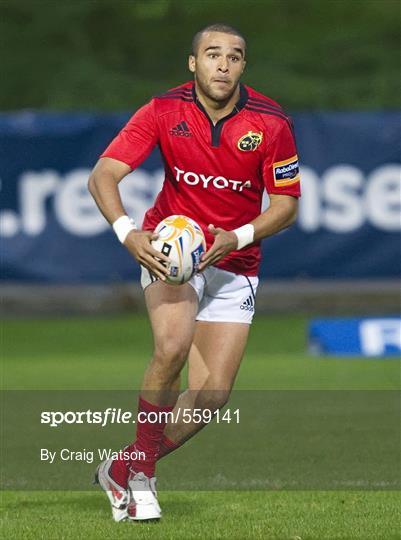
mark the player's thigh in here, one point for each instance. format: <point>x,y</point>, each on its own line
<point>216,353</point>
<point>172,310</point>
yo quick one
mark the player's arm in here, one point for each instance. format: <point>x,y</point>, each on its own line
<point>103,186</point>
<point>281,213</point>
<point>130,148</point>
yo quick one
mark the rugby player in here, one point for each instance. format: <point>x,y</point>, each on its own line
<point>222,144</point>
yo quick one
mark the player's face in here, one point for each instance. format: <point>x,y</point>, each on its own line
<point>218,64</point>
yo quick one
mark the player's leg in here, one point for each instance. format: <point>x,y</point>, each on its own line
<point>213,363</point>
<point>172,313</point>
<point>216,354</point>
<point>225,313</point>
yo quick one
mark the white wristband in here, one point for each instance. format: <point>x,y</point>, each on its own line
<point>245,235</point>
<point>122,226</point>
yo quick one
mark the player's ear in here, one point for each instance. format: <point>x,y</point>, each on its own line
<point>191,63</point>
<point>243,66</point>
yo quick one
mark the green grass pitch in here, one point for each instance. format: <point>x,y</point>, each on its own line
<point>77,354</point>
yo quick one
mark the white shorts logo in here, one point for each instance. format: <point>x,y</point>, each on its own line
<point>249,304</point>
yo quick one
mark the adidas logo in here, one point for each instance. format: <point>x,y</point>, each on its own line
<point>181,129</point>
<point>249,304</point>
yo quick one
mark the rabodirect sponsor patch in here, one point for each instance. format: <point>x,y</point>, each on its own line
<point>286,172</point>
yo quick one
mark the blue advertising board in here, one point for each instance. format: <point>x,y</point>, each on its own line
<point>51,231</point>
<point>377,337</point>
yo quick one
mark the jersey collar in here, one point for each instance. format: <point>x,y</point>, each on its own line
<point>216,128</point>
<point>243,99</point>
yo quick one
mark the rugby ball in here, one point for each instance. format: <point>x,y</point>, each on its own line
<point>183,241</point>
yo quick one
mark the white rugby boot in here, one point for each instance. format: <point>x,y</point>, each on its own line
<point>118,495</point>
<point>143,504</point>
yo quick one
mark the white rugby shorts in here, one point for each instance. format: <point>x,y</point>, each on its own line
<point>223,296</point>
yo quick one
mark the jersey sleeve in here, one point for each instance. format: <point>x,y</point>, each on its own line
<point>137,139</point>
<point>280,166</point>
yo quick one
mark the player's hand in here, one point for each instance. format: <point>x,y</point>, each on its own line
<point>224,242</point>
<point>139,245</point>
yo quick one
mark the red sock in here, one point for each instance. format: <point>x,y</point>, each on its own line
<point>149,434</point>
<point>148,438</point>
<point>167,446</point>
<point>119,469</point>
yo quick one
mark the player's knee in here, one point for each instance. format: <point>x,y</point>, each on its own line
<point>214,399</point>
<point>170,353</point>
<point>220,398</point>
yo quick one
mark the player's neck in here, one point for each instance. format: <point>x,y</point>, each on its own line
<point>217,109</point>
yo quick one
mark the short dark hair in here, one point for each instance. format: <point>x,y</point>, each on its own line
<point>217,27</point>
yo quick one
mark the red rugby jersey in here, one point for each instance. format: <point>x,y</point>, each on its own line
<point>213,173</point>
